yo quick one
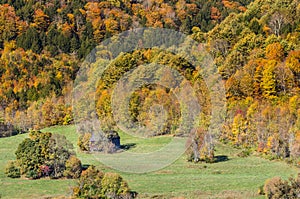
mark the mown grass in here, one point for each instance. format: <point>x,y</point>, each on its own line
<point>235,178</point>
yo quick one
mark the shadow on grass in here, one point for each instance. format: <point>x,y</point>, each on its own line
<point>221,158</point>
<point>128,146</point>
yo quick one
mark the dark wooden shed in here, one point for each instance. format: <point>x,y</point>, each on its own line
<point>114,137</point>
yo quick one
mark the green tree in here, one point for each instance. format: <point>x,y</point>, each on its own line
<point>30,40</point>
<point>41,151</point>
<point>255,26</point>
<point>33,152</point>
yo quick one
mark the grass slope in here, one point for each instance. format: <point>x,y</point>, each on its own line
<point>235,178</point>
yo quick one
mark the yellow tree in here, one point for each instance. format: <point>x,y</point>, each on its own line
<point>40,19</point>
<point>268,83</point>
<point>238,130</point>
<point>293,63</point>
<point>10,24</point>
<point>275,51</point>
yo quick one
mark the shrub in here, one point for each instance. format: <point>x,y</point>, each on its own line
<point>244,154</point>
<point>261,190</point>
<point>45,170</point>
<point>12,170</point>
<point>60,149</point>
<point>95,184</point>
<point>32,152</point>
<point>89,184</point>
<point>295,187</point>
<point>32,174</point>
<point>45,154</point>
<point>73,167</point>
<point>84,141</point>
<point>113,186</point>
<point>276,188</point>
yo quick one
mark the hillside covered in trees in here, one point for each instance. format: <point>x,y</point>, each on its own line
<point>257,54</point>
<point>42,44</point>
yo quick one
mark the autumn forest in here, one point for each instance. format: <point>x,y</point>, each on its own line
<point>255,49</point>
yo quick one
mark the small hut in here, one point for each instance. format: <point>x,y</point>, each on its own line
<point>114,138</point>
<point>97,138</point>
<point>94,142</point>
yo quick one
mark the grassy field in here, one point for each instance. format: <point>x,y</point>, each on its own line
<point>235,178</point>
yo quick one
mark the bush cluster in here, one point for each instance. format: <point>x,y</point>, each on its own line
<point>276,188</point>
<point>44,155</point>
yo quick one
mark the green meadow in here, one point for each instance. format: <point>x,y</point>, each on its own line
<point>231,177</point>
